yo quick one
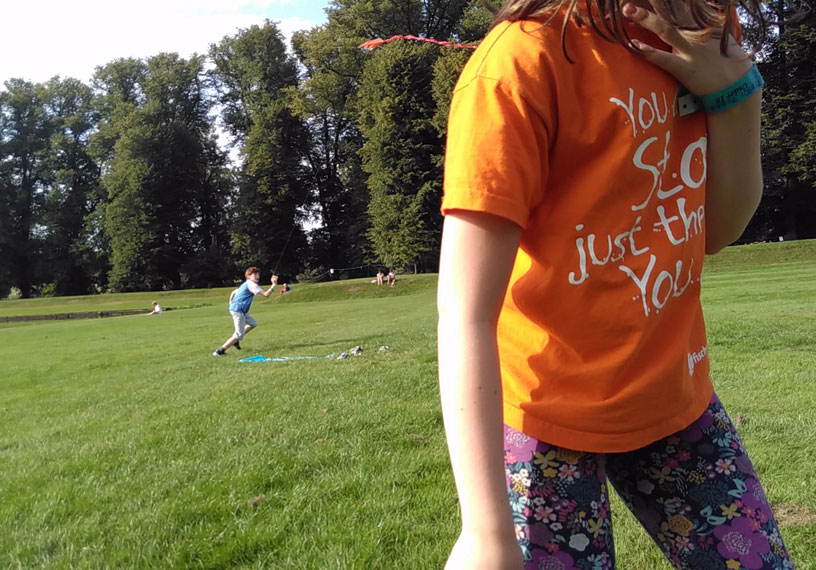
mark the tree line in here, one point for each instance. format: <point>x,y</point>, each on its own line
<point>168,173</point>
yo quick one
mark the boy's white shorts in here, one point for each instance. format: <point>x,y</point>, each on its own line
<point>241,319</point>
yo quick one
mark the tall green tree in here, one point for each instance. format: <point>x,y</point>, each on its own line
<point>25,131</point>
<point>118,94</point>
<point>252,73</point>
<point>73,265</point>
<point>157,175</point>
<point>324,100</point>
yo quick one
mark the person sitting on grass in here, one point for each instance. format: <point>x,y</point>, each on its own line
<point>240,301</point>
<point>157,310</point>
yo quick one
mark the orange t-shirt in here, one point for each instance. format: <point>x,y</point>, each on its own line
<point>601,337</point>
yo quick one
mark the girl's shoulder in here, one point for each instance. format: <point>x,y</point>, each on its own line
<point>517,53</point>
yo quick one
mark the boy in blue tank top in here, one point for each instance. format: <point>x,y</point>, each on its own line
<point>240,301</point>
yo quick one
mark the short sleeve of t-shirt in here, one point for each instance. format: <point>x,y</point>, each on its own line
<point>496,154</point>
<point>254,288</point>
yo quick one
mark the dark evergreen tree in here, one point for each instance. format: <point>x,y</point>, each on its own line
<point>404,179</point>
<point>788,64</point>
<point>25,131</point>
<point>210,264</point>
<point>368,19</point>
<point>6,231</point>
<point>400,113</point>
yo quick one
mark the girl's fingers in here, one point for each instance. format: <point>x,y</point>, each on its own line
<point>661,28</point>
<point>698,65</point>
<point>674,61</point>
<point>662,59</point>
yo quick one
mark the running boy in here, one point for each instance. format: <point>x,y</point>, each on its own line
<point>240,301</point>
<point>583,187</point>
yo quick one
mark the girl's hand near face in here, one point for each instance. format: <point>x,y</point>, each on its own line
<point>698,65</point>
<point>733,165</point>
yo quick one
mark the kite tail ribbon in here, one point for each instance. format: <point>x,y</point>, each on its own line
<point>377,42</point>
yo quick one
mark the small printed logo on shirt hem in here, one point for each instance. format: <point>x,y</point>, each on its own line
<point>696,357</point>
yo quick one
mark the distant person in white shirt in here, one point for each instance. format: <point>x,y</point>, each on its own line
<point>157,310</point>
<point>240,301</point>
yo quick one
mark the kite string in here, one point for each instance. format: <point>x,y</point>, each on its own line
<point>291,231</point>
<point>284,248</point>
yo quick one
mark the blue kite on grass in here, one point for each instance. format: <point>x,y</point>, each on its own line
<point>261,358</point>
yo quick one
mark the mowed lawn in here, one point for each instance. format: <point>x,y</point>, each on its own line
<point>125,444</point>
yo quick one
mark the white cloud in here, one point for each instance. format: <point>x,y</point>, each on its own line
<point>40,39</point>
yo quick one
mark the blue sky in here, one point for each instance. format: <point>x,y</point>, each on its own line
<point>43,38</point>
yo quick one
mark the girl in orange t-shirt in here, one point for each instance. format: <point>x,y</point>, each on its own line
<point>580,200</point>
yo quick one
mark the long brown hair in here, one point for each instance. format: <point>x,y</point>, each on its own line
<point>717,17</point>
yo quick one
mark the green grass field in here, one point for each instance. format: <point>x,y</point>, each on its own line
<point>125,444</point>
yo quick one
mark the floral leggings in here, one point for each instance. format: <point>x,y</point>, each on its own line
<point>695,492</point>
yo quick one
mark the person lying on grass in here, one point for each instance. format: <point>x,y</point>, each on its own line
<point>240,301</point>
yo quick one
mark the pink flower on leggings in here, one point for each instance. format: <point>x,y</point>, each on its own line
<point>543,560</point>
<point>518,445</point>
<point>738,540</point>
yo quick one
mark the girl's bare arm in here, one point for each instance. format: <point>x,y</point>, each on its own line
<point>477,256</point>
<point>734,186</point>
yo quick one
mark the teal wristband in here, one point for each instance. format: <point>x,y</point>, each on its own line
<point>735,93</point>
